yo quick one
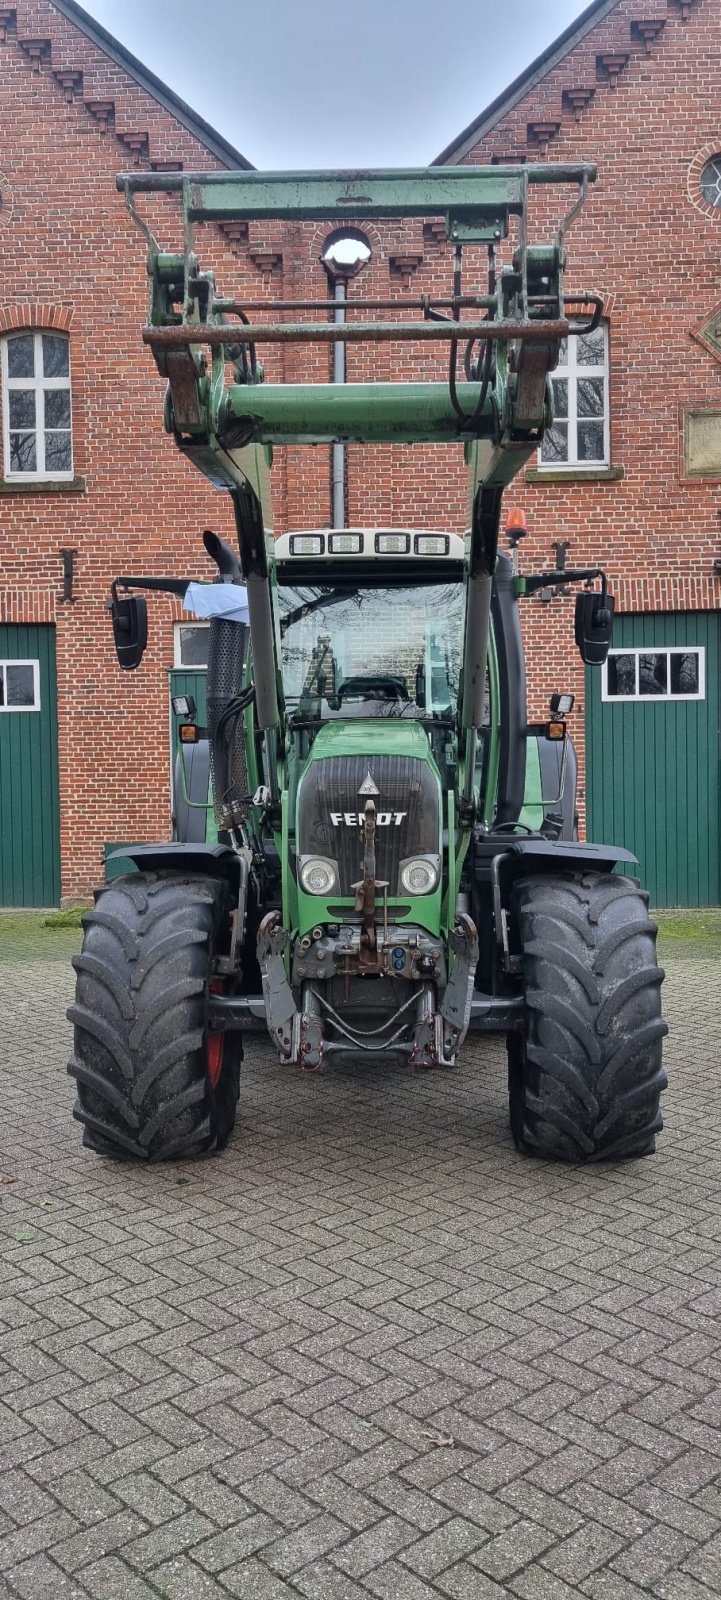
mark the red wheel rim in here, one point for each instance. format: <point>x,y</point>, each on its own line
<point>215,1045</point>
<point>214,1056</point>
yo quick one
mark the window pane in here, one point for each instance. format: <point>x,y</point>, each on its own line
<point>563,353</point>
<point>57,408</point>
<point>22,452</point>
<point>555,443</point>
<point>193,647</point>
<point>57,452</point>
<point>20,686</point>
<point>685,676</point>
<point>652,674</point>
<point>590,397</point>
<point>591,349</point>
<point>590,441</point>
<point>621,675</point>
<point>21,357</point>
<point>21,408</point>
<point>56,356</point>
<point>560,396</point>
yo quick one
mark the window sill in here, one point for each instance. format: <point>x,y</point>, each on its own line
<point>574,474</point>
<point>42,486</point>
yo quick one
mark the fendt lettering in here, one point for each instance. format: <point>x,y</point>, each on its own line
<point>356,819</point>
<point>349,663</point>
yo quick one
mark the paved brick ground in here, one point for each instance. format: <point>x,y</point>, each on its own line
<point>369,1351</point>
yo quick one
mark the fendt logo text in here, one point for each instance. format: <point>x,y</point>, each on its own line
<point>356,819</point>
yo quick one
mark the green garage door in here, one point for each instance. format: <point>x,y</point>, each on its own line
<point>653,753</point>
<point>29,811</point>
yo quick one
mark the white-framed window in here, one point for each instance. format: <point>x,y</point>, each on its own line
<point>37,426</point>
<point>190,646</point>
<point>580,436</point>
<point>677,672</point>
<point>19,686</point>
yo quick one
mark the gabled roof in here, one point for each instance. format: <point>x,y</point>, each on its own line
<point>499,108</point>
<point>200,129</point>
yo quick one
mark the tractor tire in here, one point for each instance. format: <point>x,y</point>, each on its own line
<point>154,1082</point>
<point>585,1078</point>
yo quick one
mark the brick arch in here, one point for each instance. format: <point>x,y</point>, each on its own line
<point>336,225</point>
<point>33,315</point>
<point>693,181</point>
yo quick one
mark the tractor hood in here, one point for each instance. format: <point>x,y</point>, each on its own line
<point>390,762</point>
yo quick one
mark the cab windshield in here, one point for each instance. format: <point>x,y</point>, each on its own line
<point>367,650</point>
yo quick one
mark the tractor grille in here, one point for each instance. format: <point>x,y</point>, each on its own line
<point>406,786</point>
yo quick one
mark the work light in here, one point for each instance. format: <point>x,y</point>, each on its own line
<point>307,544</point>
<point>393,544</point>
<point>431,544</point>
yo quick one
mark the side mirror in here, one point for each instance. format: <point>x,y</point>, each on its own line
<point>130,629</point>
<point>593,626</point>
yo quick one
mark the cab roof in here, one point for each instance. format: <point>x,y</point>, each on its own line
<point>381,544</point>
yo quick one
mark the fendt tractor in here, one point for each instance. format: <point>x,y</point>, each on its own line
<point>394,857</point>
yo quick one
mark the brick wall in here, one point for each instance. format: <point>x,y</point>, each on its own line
<point>74,259</point>
<point>650,245</point>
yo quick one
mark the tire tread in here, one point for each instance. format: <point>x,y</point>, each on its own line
<point>585,1081</point>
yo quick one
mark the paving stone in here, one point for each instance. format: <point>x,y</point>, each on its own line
<point>304,1545</point>
<point>251,1580</point>
<point>374,1546</point>
<point>40,1579</point>
<point>513,1549</point>
<point>537,1583</point>
<point>112,1580</point>
<point>148,1551</point>
<point>320,1581</point>
<point>181,1578</point>
<point>706,1564</point>
<point>464,1582</point>
<point>367,1352</point>
<point>241,1539</point>
<point>448,1544</point>
<point>591,1547</point>
<point>99,1539</point>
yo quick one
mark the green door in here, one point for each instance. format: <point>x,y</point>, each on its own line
<point>653,754</point>
<point>29,807</point>
<point>189,677</point>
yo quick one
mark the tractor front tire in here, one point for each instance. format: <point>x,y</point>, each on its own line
<point>154,1081</point>
<point>585,1077</point>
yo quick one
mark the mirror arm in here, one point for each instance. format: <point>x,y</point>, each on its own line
<point>547,580</point>
<point>176,586</point>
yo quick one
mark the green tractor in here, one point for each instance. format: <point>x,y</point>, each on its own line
<point>393,858</point>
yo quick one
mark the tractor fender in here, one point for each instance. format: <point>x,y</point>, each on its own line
<point>576,855</point>
<point>207,860</point>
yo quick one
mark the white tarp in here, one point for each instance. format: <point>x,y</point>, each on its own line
<point>228,600</point>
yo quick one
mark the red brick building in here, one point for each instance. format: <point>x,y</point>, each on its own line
<point>91,486</point>
<point>632,474</point>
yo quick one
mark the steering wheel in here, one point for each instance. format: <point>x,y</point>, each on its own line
<point>374,687</point>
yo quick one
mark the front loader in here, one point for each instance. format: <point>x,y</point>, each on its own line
<point>394,858</point>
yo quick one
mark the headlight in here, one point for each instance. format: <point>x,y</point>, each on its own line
<point>318,875</point>
<point>419,876</point>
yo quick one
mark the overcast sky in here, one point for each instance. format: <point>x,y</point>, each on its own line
<point>312,83</point>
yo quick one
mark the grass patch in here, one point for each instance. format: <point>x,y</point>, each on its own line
<point>693,933</point>
<point>24,936</point>
<point>64,919</point>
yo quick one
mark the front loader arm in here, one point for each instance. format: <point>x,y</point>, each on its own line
<point>227,429</point>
